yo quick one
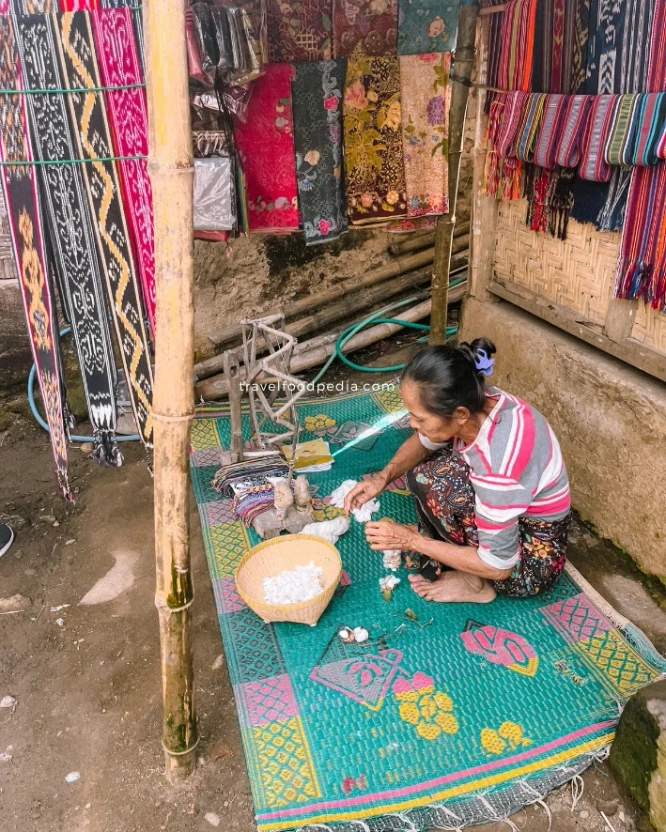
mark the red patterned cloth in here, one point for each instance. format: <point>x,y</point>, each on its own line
<point>266,146</point>
<point>119,65</point>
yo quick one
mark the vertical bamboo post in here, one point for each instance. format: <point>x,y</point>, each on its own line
<point>463,66</point>
<point>172,173</point>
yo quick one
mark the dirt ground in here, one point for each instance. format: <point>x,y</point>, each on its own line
<point>86,677</point>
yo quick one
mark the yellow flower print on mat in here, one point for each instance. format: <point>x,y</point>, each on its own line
<point>508,736</point>
<point>427,709</point>
<point>319,422</point>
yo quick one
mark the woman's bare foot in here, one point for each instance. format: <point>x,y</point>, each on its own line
<point>454,587</point>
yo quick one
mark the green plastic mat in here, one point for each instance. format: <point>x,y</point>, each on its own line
<point>460,722</point>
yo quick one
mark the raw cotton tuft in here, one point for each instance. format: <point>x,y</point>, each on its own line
<point>294,586</point>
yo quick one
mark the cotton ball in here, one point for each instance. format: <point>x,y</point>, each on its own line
<point>330,530</point>
<point>360,635</point>
<point>294,586</point>
<point>392,559</point>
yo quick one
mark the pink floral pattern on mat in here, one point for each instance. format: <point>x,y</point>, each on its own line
<point>577,619</point>
<point>270,700</point>
<point>266,146</point>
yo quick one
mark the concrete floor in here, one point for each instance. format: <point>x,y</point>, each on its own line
<point>87,678</point>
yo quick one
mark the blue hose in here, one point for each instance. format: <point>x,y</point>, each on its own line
<point>134,437</point>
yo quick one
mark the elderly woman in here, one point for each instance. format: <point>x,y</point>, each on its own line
<point>491,488</point>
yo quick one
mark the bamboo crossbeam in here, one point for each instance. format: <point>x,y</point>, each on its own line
<point>424,241</point>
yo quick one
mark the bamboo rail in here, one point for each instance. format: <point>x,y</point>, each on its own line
<point>171,172</point>
<point>463,65</point>
<point>424,240</point>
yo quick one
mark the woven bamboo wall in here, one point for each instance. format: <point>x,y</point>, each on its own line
<point>577,273</point>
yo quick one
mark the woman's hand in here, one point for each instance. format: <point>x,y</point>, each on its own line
<point>365,491</point>
<point>386,534</point>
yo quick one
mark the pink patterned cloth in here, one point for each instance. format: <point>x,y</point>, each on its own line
<point>119,65</point>
<point>266,146</point>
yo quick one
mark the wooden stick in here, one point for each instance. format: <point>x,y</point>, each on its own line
<point>492,9</point>
<point>461,70</point>
<point>341,309</point>
<point>316,351</point>
<point>414,243</point>
<point>232,373</point>
<point>172,173</point>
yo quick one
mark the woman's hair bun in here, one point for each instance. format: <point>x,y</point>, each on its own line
<point>480,352</point>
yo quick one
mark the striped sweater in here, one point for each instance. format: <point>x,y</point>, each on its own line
<point>516,470</point>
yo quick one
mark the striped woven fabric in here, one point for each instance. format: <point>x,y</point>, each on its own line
<point>529,126</point>
<point>491,171</point>
<point>618,146</point>
<point>641,268</point>
<point>517,45</point>
<point>593,166</point>
<point>509,123</point>
<point>575,118</point>
<point>547,139</point>
<point>650,129</point>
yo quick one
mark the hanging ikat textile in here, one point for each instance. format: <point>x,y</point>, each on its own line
<point>372,121</point>
<point>21,197</point>
<point>266,145</point>
<point>364,27</point>
<point>66,41</point>
<point>71,234</point>
<point>317,103</point>
<point>299,30</point>
<point>641,270</point>
<point>426,98</point>
<point>119,66</point>
<point>427,26</point>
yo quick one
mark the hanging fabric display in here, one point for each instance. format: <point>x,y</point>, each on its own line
<point>266,146</point>
<point>426,99</point>
<point>650,118</point>
<point>365,27</point>
<point>299,30</point>
<point>65,41</point>
<point>548,137</point>
<point>510,123</point>
<point>71,237</point>
<point>119,66</point>
<point>427,26</point>
<point>617,149</point>
<point>593,165</point>
<point>317,102</point>
<point>560,43</point>
<point>372,122</point>
<point>574,119</point>
<point>21,198</point>
<point>641,269</point>
<point>529,126</point>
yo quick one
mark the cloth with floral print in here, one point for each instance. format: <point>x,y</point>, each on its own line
<point>299,30</point>
<point>412,224</point>
<point>317,103</point>
<point>427,26</point>
<point>372,119</point>
<point>265,144</point>
<point>445,506</point>
<point>364,27</point>
<point>426,99</point>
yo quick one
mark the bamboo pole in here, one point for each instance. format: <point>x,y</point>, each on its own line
<point>461,74</point>
<point>171,172</point>
<point>424,240</point>
<point>312,353</point>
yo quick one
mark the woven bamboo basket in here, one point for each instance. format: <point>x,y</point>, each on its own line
<point>283,553</point>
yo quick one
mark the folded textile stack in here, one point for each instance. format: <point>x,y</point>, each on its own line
<point>231,479</point>
<point>251,501</point>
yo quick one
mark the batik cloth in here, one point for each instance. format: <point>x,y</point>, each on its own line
<point>593,165</point>
<point>317,101</point>
<point>574,124</point>
<point>427,26</point>
<point>71,233</point>
<point>445,504</point>
<point>641,269</point>
<point>21,194</point>
<point>426,100</point>
<point>77,60</point>
<point>364,27</point>
<point>119,65</point>
<point>214,195</point>
<point>372,122</point>
<point>265,142</point>
<point>299,30</point>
